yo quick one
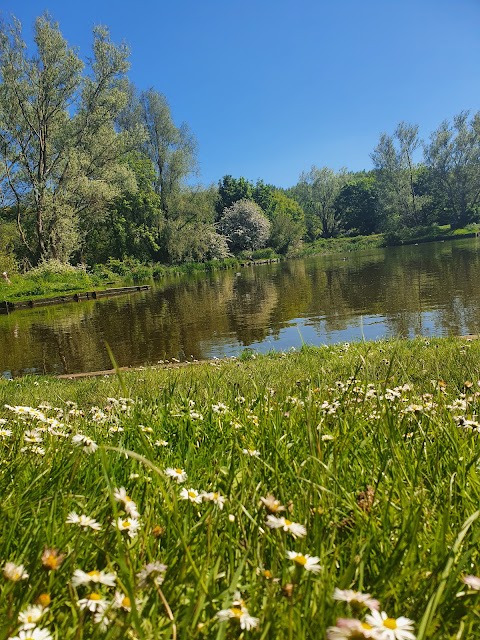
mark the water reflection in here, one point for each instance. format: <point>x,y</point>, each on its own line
<point>428,290</point>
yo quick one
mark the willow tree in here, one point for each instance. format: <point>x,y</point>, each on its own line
<point>59,149</point>
<point>453,156</point>
<point>394,161</point>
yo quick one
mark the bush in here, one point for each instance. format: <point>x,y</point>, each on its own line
<point>245,226</point>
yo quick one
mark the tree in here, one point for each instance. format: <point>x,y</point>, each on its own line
<point>393,159</point>
<point>171,149</point>
<point>230,190</point>
<point>288,222</point>
<point>245,226</point>
<point>357,205</point>
<point>453,156</point>
<point>316,192</point>
<point>59,150</point>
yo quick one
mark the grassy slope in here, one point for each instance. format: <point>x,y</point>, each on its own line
<point>322,438</point>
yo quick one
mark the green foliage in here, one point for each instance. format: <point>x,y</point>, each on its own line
<point>357,205</point>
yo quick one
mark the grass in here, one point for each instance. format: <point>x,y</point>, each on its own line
<point>363,444</point>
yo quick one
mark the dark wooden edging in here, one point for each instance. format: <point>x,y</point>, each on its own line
<point>8,307</point>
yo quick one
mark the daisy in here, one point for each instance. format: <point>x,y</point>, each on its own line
<point>353,629</point>
<point>238,611</point>
<point>5,433</point>
<point>98,577</point>
<point>356,598</point>
<point>178,474</point>
<point>33,634</point>
<point>251,452</point>
<point>297,530</point>
<point>472,581</point>
<point>14,572</point>
<point>29,617</point>
<point>391,628</point>
<point>191,494</point>
<point>130,525</point>
<point>271,504</point>
<point>52,559</point>
<point>129,505</point>
<point>214,497</point>
<point>87,444</point>
<point>83,521</point>
<point>153,572</point>
<point>94,602</point>
<point>121,601</point>
<point>309,563</point>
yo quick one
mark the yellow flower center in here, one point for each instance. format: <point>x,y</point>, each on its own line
<point>93,574</point>
<point>215,496</point>
<point>51,561</point>
<point>126,524</point>
<point>179,471</point>
<point>288,523</point>
<point>236,612</point>
<point>367,626</point>
<point>94,596</point>
<point>301,559</point>
<point>44,599</point>
<point>192,494</point>
<point>390,623</point>
<point>126,602</point>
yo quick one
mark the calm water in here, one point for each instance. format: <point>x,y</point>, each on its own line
<point>431,289</point>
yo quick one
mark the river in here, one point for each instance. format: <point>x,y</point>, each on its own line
<point>430,290</point>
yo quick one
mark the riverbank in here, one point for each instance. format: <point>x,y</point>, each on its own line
<point>370,449</point>
<point>55,279</point>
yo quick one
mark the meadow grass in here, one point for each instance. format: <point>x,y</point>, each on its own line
<point>373,448</point>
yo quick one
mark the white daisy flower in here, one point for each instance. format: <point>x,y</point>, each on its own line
<point>129,505</point>
<point>87,444</point>
<point>356,598</point>
<point>391,628</point>
<point>33,634</point>
<point>309,563</point>
<point>94,602</point>
<point>214,497</point>
<point>121,601</point>
<point>5,433</point>
<point>98,577</point>
<point>152,572</point>
<point>351,629</point>
<point>83,521</point>
<point>251,452</point>
<point>472,581</point>
<point>29,617</point>
<point>297,530</point>
<point>34,436</point>
<point>191,494</point>
<point>128,525</point>
<point>271,504</point>
<point>14,572</point>
<point>238,611</point>
<point>178,474</point>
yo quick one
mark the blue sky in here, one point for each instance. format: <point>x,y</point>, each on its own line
<point>270,87</point>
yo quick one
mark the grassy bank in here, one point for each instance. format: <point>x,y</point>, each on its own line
<point>373,448</point>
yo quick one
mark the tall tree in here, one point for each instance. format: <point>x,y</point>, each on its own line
<point>171,149</point>
<point>393,159</point>
<point>453,156</point>
<point>316,192</point>
<point>59,150</point>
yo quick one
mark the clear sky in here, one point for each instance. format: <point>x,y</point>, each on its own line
<point>270,87</point>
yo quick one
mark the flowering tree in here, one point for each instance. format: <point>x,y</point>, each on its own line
<point>245,226</point>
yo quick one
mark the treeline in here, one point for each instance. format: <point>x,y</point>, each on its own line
<point>93,168</point>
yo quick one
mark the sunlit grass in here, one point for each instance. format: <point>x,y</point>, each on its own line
<point>373,448</point>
